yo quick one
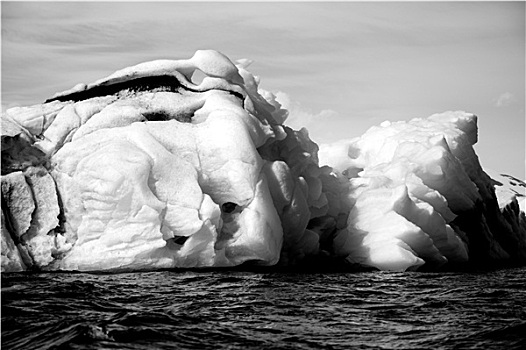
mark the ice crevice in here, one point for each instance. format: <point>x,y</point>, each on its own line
<point>154,167</point>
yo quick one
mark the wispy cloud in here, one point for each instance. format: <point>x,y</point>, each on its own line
<point>505,99</point>
<point>301,117</point>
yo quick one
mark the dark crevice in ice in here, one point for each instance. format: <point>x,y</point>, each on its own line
<point>176,242</point>
<point>488,237</point>
<point>167,83</point>
<point>163,116</point>
<point>26,256</point>
<point>8,221</point>
<point>180,239</point>
<point>61,228</point>
<point>229,215</point>
<point>228,207</point>
<point>18,154</point>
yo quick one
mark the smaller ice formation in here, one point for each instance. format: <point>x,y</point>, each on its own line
<point>153,168</point>
<point>419,196</point>
<point>507,189</point>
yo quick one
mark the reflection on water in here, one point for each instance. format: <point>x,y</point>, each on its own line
<point>234,309</point>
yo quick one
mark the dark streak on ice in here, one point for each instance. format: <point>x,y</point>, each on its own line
<point>166,82</point>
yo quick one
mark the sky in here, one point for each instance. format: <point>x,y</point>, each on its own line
<point>339,67</point>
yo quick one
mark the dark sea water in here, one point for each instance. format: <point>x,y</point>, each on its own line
<point>265,310</point>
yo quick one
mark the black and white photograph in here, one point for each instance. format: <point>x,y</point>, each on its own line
<point>263,175</point>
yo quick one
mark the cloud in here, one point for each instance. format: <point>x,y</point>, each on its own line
<point>505,99</point>
<point>300,117</point>
<point>325,126</point>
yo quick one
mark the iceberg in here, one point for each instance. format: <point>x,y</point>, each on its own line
<point>189,164</point>
<point>419,196</point>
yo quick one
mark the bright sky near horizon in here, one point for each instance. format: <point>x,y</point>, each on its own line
<point>340,67</point>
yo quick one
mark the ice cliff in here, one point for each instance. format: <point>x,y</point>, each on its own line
<point>187,163</point>
<point>419,196</point>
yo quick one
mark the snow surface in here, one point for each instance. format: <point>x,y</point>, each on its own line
<point>153,167</point>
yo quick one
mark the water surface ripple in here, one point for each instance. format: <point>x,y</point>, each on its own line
<point>265,310</point>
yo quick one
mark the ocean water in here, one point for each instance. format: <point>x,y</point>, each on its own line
<point>265,310</point>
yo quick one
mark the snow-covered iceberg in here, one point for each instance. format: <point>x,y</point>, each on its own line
<point>188,163</point>
<point>419,196</point>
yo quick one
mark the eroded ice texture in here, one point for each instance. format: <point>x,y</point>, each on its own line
<point>148,169</point>
<point>187,163</point>
<point>419,196</point>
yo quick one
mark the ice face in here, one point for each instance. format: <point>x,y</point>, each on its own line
<point>419,195</point>
<point>188,163</point>
<point>148,169</point>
